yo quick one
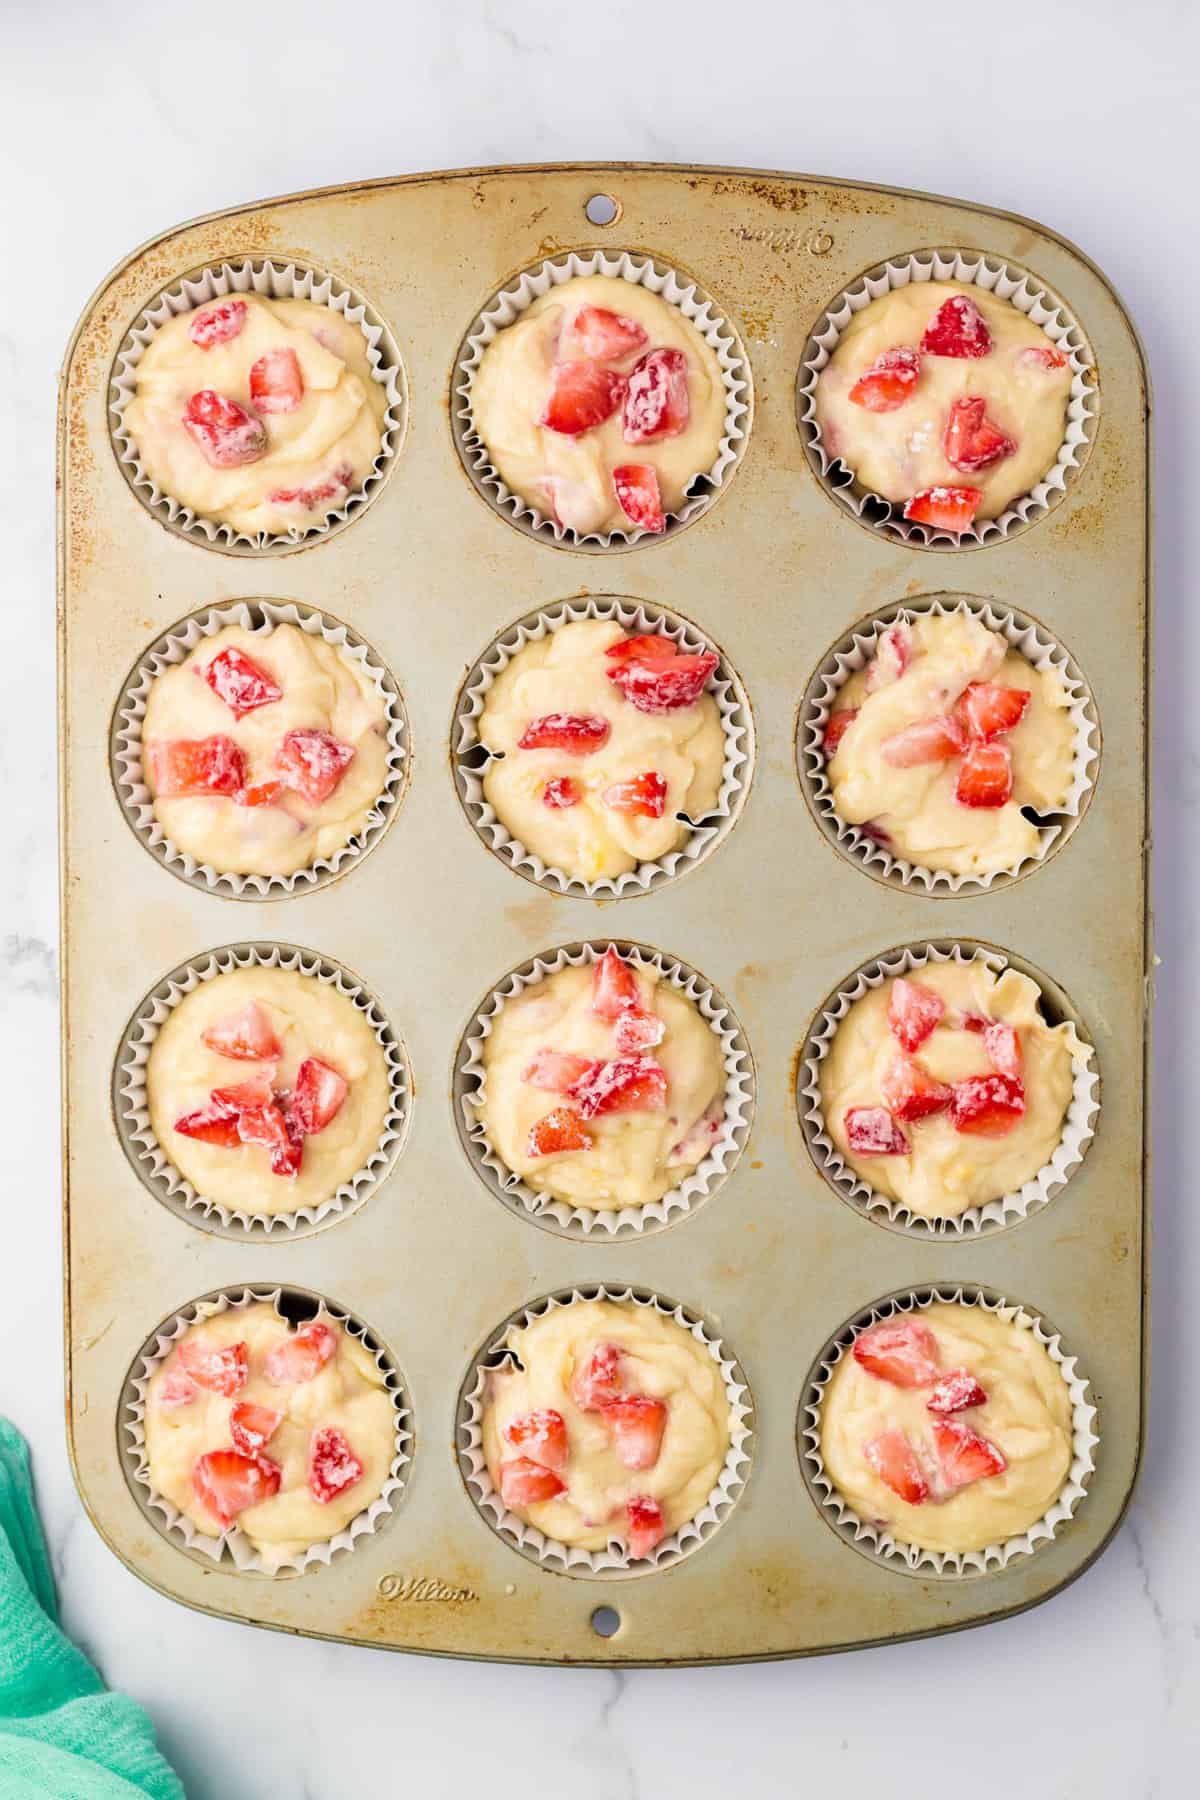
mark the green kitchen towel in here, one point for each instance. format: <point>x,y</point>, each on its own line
<point>63,1736</point>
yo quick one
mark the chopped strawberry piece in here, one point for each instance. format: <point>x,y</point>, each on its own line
<point>311,496</point>
<point>317,1096</point>
<point>910,1092</point>
<point>901,1350</point>
<point>986,776</point>
<point>957,328</point>
<point>190,766</point>
<point>955,1391</point>
<point>263,793</point>
<point>217,324</point>
<point>332,1465</point>
<point>964,1455</point>
<point>556,1132</point>
<point>647,1528</point>
<point>582,395</point>
<point>1043,356</point>
<point>638,495</point>
<point>246,1035</point>
<point>945,508</point>
<point>989,710</point>
<point>644,796</point>
<point>220,1368</point>
<point>1003,1047</point>
<point>255,1091</point>
<point>266,1125</point>
<point>656,402</point>
<point>276,384</point>
<point>972,1022</point>
<point>634,1084</point>
<point>523,1482</point>
<point>662,686</point>
<point>929,740</point>
<point>614,989</point>
<point>598,1381</point>
<point>226,1482</point>
<point>987,1105</point>
<point>603,335</point>
<point>636,1031</point>
<point>972,441</point>
<point>637,1424</point>
<point>913,1012</point>
<point>895,1462</point>
<point>646,647</point>
<point>240,682</point>
<point>540,1435</point>
<point>578,736</point>
<point>251,1426</point>
<point>560,792</point>
<point>312,763</point>
<point>579,505</point>
<point>893,653</point>
<point>225,434</point>
<point>872,1131</point>
<point>837,727</point>
<point>556,1070</point>
<point>889,381</point>
<point>212,1124</point>
<point>176,1389</point>
<point>302,1354</point>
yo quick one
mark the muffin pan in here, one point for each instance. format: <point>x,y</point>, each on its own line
<point>774,916</point>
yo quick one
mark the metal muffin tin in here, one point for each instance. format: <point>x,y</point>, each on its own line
<point>775,571</point>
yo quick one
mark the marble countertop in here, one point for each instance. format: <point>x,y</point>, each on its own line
<point>116,123</point>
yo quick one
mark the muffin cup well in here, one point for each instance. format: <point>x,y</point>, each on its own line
<point>911,1559</point>
<point>853,653</point>
<point>1008,282</point>
<point>615,1560</point>
<point>471,758</point>
<point>270,281</point>
<point>151,1162</point>
<point>596,1224</point>
<point>1078,1126</point>
<point>260,617</point>
<point>514,299</point>
<point>174,1524</point>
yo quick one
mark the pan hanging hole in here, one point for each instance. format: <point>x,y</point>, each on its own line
<point>602,209</point>
<point>606,1621</point>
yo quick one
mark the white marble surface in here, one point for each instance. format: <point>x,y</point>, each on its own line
<point>117,121</point>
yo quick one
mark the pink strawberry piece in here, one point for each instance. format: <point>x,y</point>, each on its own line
<point>662,686</point>
<point>901,1350</point>
<point>985,777</point>
<point>646,1526</point>
<point>276,384</point>
<point>910,1092</point>
<point>972,440</point>
<point>266,1126</point>
<point>954,1392</point>
<point>312,763</point>
<point>893,653</point>
<point>263,793</point>
<point>317,1096</point>
<point>964,1455</point>
<point>636,1031</point>
<point>226,1482</point>
<point>176,1389</point>
<point>311,496</point>
<point>192,766</point>
<point>540,1435</point>
<point>614,989</point>
<point>895,1462</point>
<point>240,682</point>
<point>332,1465</point>
<point>1003,1047</point>
<point>872,1131</point>
<point>913,1013</point>
<point>987,1105</point>
<point>643,797</point>
<point>560,792</point>
<point>220,1368</point>
<point>647,647</point>
<point>598,1381</point>
<point>633,1084</point>
<point>556,1070</point>
<point>945,508</point>
<point>603,335</point>
<point>579,505</point>
<point>656,402</point>
<point>226,435</point>
<point>637,1424</point>
<point>217,324</point>
<point>927,741</point>
<point>638,495</point>
<point>523,1482</point>
<point>957,328</point>
<point>889,381</point>
<point>989,710</point>
<point>577,735</point>
<point>582,395</point>
<point>255,1091</point>
<point>556,1132</point>
<point>252,1427</point>
<point>1043,356</point>
<point>246,1035</point>
<point>211,1124</point>
<point>302,1355</point>
<point>836,728</point>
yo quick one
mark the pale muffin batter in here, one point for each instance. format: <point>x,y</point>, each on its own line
<point>901,451</point>
<point>346,1392</point>
<point>1026,1417</point>
<point>913,808</point>
<point>657,1358</point>
<point>307,448</point>
<point>308,1019</point>
<point>567,673</point>
<point>571,477</point>
<point>322,690</point>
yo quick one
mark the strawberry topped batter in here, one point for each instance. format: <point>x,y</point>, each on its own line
<point>599,405</point>
<point>285,1433</point>
<point>946,401</point>
<point>604,1085</point>
<point>611,1426</point>
<point>949,1427</point>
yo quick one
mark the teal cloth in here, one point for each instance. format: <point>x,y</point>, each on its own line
<point>63,1736</point>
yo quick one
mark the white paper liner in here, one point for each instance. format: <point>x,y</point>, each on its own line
<point>615,1560</point>
<point>233,1542</point>
<point>853,653</point>
<point>271,281</point>
<point>659,278</point>
<point>1077,1131</point>
<point>260,617</point>
<point>584,1221</point>
<point>1008,282</point>
<point>911,1558</point>
<point>149,1159</point>
<point>638,617</point>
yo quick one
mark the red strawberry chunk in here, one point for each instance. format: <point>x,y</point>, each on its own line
<point>247,1035</point>
<point>987,1105</point>
<point>220,1368</point>
<point>955,1391</point>
<point>191,766</point>
<point>644,796</point>
<point>614,989</point>
<point>582,395</point>
<point>317,1096</point>
<point>656,402</point>
<point>226,1482</point>
<point>646,1528</point>
<point>302,1355</point>
<point>837,727</point>
<point>560,792</point>
<point>176,1389</point>
<point>927,741</point>
<point>646,647</point>
<point>945,508</point>
<point>523,1482</point>
<point>1003,1047</point>
<point>557,1132</point>
<point>1043,356</point>
<point>263,793</point>
<point>985,777</point>
<point>556,1070</point>
<point>226,435</point>
<point>212,1124</point>
<point>901,1350</point>
<point>598,1381</point>
<point>872,1131</point>
<point>578,736</point>
<point>312,763</point>
<point>661,686</point>
<point>957,328</point>
<point>913,1013</point>
<point>889,381</point>
<point>964,1455</point>
<point>311,496</point>
<point>332,1465</point>
<point>633,1084</point>
<point>252,1427</point>
<point>989,710</point>
<point>910,1092</point>
<point>240,682</point>
<point>254,1092</point>
<point>638,495</point>
<point>541,1436</point>
<point>276,384</point>
<point>217,324</point>
<point>265,1125</point>
<point>637,1424</point>
<point>972,441</point>
<point>636,1031</point>
<point>603,335</point>
<point>895,1462</point>
<point>893,653</point>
